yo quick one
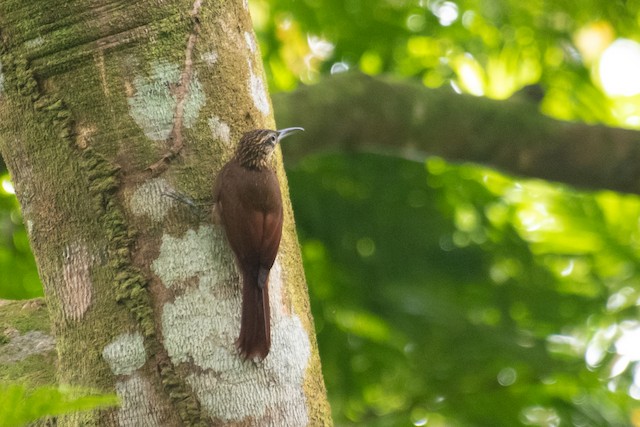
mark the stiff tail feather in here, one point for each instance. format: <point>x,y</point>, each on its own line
<point>255,329</point>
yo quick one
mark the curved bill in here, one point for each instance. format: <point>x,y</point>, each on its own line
<point>283,133</point>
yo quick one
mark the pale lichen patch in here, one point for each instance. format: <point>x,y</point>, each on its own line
<point>201,324</point>
<point>125,354</point>
<point>33,43</point>
<point>269,392</point>
<point>258,91</point>
<point>139,404</point>
<point>251,42</point>
<point>276,288</point>
<point>84,135</point>
<point>76,289</point>
<point>1,79</point>
<point>210,57</point>
<point>149,199</point>
<point>199,253</point>
<point>219,129</point>
<point>154,103</point>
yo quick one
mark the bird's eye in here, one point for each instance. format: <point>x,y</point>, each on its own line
<point>273,139</point>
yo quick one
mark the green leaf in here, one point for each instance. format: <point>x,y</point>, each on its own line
<point>21,406</point>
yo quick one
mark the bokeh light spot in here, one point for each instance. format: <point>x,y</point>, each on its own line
<point>339,67</point>
<point>447,12</point>
<point>7,186</point>
<point>620,67</point>
<point>593,39</point>
<point>365,247</point>
<point>507,377</point>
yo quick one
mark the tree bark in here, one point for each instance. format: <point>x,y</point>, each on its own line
<point>352,111</point>
<point>103,108</point>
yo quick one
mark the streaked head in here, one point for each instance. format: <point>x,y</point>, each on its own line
<point>255,147</point>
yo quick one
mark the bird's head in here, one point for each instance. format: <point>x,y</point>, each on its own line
<point>255,147</point>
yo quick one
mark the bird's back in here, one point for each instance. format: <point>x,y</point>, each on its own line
<point>250,208</point>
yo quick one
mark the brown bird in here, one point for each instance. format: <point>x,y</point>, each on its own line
<point>249,205</point>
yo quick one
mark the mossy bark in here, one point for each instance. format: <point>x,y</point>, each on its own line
<point>26,346</point>
<point>103,108</point>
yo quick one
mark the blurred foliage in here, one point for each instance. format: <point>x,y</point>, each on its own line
<point>21,406</point>
<point>18,274</point>
<point>456,296</point>
<point>464,297</point>
<point>491,48</point>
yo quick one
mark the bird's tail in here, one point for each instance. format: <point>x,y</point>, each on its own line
<point>255,329</point>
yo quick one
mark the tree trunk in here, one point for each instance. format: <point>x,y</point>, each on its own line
<point>103,107</point>
<point>353,111</point>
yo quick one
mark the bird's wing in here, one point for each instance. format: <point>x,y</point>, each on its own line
<point>271,234</point>
<point>252,219</point>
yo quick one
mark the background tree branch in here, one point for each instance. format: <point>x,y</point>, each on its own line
<point>355,112</point>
